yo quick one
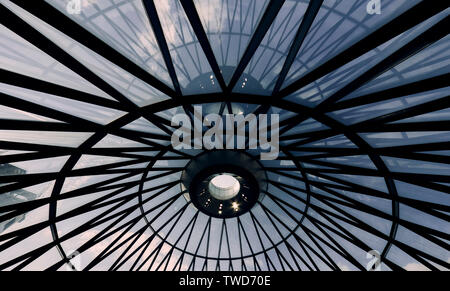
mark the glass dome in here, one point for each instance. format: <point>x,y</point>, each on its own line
<point>89,179</point>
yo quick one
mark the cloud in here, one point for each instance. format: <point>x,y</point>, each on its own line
<point>416,267</point>
<point>344,268</point>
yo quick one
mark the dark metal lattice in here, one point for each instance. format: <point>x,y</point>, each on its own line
<point>314,215</point>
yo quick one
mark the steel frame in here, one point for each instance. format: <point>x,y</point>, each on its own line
<point>327,210</point>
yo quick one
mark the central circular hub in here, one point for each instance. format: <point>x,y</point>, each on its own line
<point>224,191</point>
<point>224,187</point>
<point>217,184</point>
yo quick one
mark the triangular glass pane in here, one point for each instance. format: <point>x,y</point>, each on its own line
<point>84,110</point>
<point>264,68</point>
<point>15,114</point>
<point>338,25</point>
<point>125,83</point>
<point>431,62</point>
<point>124,26</point>
<point>68,139</point>
<point>230,24</point>
<point>19,56</point>
<point>191,65</point>
<point>323,88</point>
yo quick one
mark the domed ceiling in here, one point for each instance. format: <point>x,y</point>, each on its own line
<point>89,179</point>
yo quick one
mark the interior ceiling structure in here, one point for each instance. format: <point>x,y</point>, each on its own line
<point>89,179</point>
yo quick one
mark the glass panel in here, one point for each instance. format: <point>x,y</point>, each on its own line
<point>19,56</point>
<point>143,125</point>
<point>230,25</point>
<point>68,139</point>
<point>359,114</point>
<point>415,241</point>
<point>133,88</point>
<point>124,26</point>
<point>52,165</point>
<point>91,112</point>
<point>391,139</point>
<point>262,72</point>
<point>377,183</point>
<point>193,70</point>
<point>422,194</point>
<point>441,115</point>
<point>416,167</point>
<point>15,114</point>
<point>432,61</point>
<point>338,25</point>
<point>424,219</point>
<point>405,261</point>
<point>29,244</point>
<point>356,161</point>
<point>310,125</point>
<point>315,93</point>
<point>337,141</point>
